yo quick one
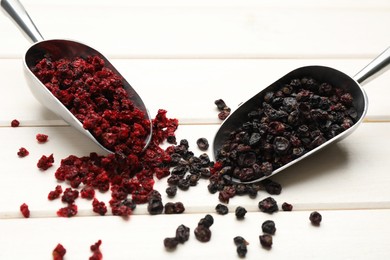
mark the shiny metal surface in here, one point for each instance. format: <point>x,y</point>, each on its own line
<point>59,48</point>
<point>320,73</point>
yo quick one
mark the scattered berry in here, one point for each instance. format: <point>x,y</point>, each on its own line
<point>45,162</point>
<point>23,152</point>
<point>59,252</point>
<point>25,211</point>
<point>42,138</point>
<point>15,123</point>
<point>315,218</point>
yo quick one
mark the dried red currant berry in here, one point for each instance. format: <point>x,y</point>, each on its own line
<point>42,138</point>
<point>268,227</point>
<point>99,207</point>
<point>25,211</point>
<point>70,195</point>
<point>287,206</point>
<point>56,193</point>
<point>315,218</point>
<point>96,252</point>
<point>203,144</point>
<point>266,240</point>
<point>59,252</point>
<point>268,205</point>
<point>23,152</point>
<point>87,192</point>
<point>67,212</point>
<point>45,162</point>
<point>15,123</point>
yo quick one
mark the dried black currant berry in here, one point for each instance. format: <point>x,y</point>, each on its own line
<point>268,227</point>
<point>222,209</point>
<point>315,218</point>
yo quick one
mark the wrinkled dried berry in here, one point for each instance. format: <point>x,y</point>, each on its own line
<point>272,187</point>
<point>45,162</point>
<point>70,195</point>
<point>56,193</point>
<point>15,123</point>
<point>287,207</point>
<point>99,207</point>
<point>69,211</point>
<point>59,252</point>
<point>87,192</point>
<point>315,218</point>
<point>203,144</point>
<point>182,236</point>
<point>240,212</point>
<point>268,205</point>
<point>174,208</point>
<point>207,221</point>
<point>23,152</point>
<point>184,184</point>
<point>96,252</point>
<point>42,138</point>
<point>242,250</point>
<point>220,104</point>
<point>155,206</point>
<point>171,191</point>
<point>239,240</point>
<point>241,244</point>
<point>268,227</point>
<point>266,240</point>
<point>24,210</point>
<point>171,243</point>
<point>182,233</point>
<point>222,209</point>
<point>202,233</point>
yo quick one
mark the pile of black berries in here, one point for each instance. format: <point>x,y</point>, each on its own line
<point>290,121</point>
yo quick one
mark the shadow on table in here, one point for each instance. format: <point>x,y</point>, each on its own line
<point>324,162</point>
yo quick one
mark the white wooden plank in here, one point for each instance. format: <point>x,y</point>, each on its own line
<point>187,89</point>
<point>349,175</point>
<point>213,30</point>
<point>341,235</point>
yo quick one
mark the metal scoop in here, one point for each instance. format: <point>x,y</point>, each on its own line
<point>321,74</point>
<point>60,49</point>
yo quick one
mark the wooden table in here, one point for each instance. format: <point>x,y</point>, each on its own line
<point>181,56</point>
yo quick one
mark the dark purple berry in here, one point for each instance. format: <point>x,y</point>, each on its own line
<point>266,240</point>
<point>240,212</point>
<point>287,207</point>
<point>315,218</point>
<point>182,233</point>
<point>170,243</point>
<point>268,205</point>
<point>202,233</point>
<point>268,227</point>
<point>203,144</point>
<point>222,209</point>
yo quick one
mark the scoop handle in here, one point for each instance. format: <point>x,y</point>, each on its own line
<point>20,16</point>
<point>375,67</point>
